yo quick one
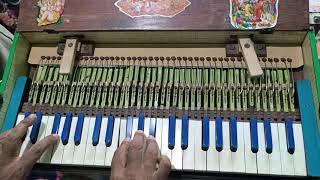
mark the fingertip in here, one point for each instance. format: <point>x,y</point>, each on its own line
<point>165,160</point>
<point>151,137</point>
<point>32,116</point>
<point>56,137</point>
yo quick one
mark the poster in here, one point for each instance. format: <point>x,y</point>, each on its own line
<point>253,14</point>
<point>314,5</point>
<point>49,12</point>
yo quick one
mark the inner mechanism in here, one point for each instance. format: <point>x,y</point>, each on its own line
<point>162,86</point>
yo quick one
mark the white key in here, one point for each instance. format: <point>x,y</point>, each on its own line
<point>19,118</point>
<point>90,149</point>
<point>188,154</point>
<point>69,148</point>
<point>58,149</point>
<point>212,154</point>
<point>43,128</point>
<point>299,153</point>
<point>250,157</point>
<point>176,159</point>
<point>146,126</point>
<point>238,159</point>
<point>200,161</point>
<point>287,163</point>
<point>225,154</point>
<point>101,146</point>
<point>26,143</point>
<point>114,145</point>
<point>262,155</point>
<point>274,157</point>
<point>165,133</point>
<point>80,150</point>
<point>122,131</point>
<point>134,126</point>
<point>46,156</point>
<point>159,132</point>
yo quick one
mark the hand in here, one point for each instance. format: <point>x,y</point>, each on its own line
<point>139,159</point>
<point>12,166</point>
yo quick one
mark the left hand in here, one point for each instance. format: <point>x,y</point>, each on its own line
<point>12,166</point>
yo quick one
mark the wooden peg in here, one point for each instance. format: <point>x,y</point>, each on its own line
<point>69,56</point>
<point>250,57</point>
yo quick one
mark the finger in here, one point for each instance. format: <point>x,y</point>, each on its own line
<point>21,129</point>
<point>136,150</point>
<point>34,153</point>
<point>151,155</point>
<point>119,159</point>
<point>164,169</point>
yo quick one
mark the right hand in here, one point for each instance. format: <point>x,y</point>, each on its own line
<point>139,159</point>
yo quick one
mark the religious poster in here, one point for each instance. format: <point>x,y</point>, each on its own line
<point>163,8</point>
<point>314,5</point>
<point>253,14</point>
<point>49,11</point>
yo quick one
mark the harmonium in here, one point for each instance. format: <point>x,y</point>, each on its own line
<point>219,101</point>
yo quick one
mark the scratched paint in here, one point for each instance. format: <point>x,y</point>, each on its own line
<point>163,8</point>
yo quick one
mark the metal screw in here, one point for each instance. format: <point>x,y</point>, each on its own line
<point>70,44</point>
<point>247,45</point>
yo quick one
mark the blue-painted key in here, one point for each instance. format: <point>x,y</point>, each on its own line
<point>27,114</point>
<point>254,134</point>
<point>172,132</point>
<point>96,130</point>
<point>141,122</point>
<point>290,137</point>
<point>152,127</point>
<point>66,129</point>
<point>233,134</point>
<point>109,132</point>
<point>56,123</point>
<point>268,135</point>
<point>129,126</point>
<point>184,132</point>
<point>35,128</point>
<point>219,137</point>
<point>78,132</point>
<point>205,133</point>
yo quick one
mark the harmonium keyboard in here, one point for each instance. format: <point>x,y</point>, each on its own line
<point>217,100</point>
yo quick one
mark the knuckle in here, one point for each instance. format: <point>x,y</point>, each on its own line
<point>37,150</point>
<point>136,146</point>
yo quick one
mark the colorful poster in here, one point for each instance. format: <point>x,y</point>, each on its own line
<point>253,14</point>
<point>314,5</point>
<point>164,8</point>
<point>49,11</point>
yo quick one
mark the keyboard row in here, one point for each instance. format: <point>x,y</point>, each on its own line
<point>217,145</point>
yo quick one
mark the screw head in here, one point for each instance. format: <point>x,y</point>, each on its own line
<point>70,44</point>
<point>247,45</point>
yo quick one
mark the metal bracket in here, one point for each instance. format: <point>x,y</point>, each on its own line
<point>86,49</point>
<point>234,50</point>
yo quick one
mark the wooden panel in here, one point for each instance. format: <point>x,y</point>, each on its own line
<point>294,52</point>
<point>88,15</point>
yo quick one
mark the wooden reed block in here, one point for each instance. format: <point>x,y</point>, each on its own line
<point>250,57</point>
<point>69,56</point>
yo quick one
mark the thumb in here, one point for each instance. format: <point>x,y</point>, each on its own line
<point>163,171</point>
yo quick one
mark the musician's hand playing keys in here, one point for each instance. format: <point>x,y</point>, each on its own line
<point>12,166</point>
<point>139,159</point>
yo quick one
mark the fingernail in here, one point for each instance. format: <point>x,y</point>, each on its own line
<point>33,116</point>
<point>139,131</point>
<point>127,139</point>
<point>56,136</point>
<point>151,137</point>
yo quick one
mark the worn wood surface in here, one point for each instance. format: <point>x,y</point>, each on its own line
<point>93,15</point>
